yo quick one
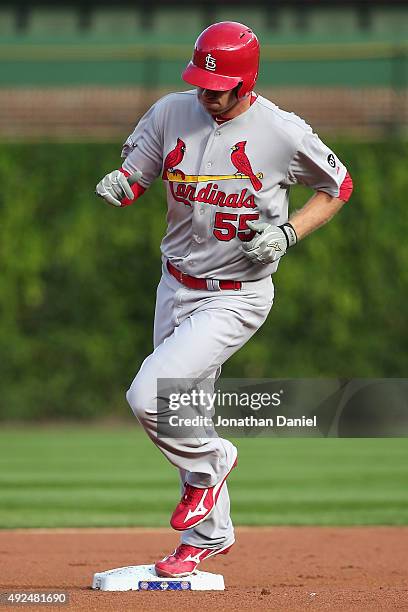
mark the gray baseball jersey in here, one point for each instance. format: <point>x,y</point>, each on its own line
<point>220,176</point>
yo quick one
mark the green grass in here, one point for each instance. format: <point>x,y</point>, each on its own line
<point>84,476</point>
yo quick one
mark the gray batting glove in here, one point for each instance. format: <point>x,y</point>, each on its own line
<point>115,186</point>
<point>270,243</point>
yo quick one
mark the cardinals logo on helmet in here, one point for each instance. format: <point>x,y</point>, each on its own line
<point>210,63</point>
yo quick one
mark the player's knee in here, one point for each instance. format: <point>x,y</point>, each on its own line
<point>133,400</point>
<point>140,401</point>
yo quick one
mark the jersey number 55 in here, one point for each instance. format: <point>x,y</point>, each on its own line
<point>225,229</point>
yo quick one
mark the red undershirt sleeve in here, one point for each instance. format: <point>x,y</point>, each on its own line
<point>346,188</point>
<point>137,189</point>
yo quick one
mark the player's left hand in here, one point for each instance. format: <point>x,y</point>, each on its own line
<point>270,243</point>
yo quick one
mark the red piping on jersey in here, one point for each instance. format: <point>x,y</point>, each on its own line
<point>346,188</point>
<point>137,189</point>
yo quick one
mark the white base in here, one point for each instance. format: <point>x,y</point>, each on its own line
<point>144,578</point>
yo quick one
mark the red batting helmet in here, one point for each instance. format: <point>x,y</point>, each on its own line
<point>225,54</point>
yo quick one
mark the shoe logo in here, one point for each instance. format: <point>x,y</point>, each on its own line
<point>195,558</point>
<point>200,509</point>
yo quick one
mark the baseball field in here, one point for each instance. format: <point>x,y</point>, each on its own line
<point>321,522</point>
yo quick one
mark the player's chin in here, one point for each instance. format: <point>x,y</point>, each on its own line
<point>210,105</point>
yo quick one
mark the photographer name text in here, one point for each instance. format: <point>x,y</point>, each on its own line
<point>248,421</point>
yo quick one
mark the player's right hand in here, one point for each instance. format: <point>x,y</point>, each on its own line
<point>114,187</point>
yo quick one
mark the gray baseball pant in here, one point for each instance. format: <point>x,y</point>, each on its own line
<point>195,332</point>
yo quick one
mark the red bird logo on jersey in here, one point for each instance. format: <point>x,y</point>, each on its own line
<point>243,165</point>
<point>174,157</point>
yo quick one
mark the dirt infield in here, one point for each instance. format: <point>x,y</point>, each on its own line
<point>276,568</point>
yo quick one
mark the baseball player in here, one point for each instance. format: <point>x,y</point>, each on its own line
<point>227,157</point>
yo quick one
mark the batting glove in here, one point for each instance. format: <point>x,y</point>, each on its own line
<point>115,186</point>
<point>270,243</point>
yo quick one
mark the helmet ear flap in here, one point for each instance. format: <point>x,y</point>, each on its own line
<point>240,91</point>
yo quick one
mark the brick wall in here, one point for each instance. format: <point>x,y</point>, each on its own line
<point>101,114</point>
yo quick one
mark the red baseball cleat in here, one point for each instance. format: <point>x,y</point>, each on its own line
<point>196,504</point>
<point>184,560</point>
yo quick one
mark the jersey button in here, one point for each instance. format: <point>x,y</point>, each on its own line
<point>218,133</point>
<point>209,164</point>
